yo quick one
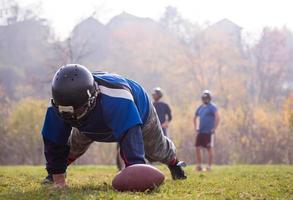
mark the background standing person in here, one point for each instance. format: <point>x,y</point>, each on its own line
<point>163,110</point>
<point>205,130</point>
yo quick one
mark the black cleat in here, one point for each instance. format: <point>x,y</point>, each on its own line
<point>48,180</point>
<point>177,171</point>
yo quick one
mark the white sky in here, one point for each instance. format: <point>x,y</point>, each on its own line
<point>251,15</point>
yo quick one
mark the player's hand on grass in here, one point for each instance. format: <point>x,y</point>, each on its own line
<point>59,180</point>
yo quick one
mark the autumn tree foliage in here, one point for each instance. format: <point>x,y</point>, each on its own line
<point>271,56</point>
<point>24,132</point>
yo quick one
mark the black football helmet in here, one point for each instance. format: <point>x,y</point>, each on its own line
<point>74,92</point>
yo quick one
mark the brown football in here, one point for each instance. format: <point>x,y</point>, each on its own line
<point>139,177</point>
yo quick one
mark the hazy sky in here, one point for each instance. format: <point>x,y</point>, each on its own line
<point>251,15</point>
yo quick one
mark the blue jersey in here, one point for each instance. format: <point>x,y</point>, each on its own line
<point>121,105</point>
<point>207,118</point>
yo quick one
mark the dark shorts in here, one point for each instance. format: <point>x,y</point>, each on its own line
<point>204,140</point>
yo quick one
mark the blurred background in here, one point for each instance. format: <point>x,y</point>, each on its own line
<point>240,50</point>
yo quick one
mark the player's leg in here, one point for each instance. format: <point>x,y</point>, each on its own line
<point>198,144</point>
<point>210,158</point>
<point>119,161</point>
<point>198,158</point>
<point>78,143</point>
<point>159,148</point>
<point>210,151</point>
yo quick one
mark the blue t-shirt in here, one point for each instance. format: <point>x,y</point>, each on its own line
<point>121,105</point>
<point>163,110</point>
<point>207,118</point>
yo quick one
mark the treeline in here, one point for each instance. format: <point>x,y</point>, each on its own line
<point>252,83</point>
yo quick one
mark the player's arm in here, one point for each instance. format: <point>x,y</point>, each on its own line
<point>169,113</point>
<point>217,120</point>
<point>56,157</point>
<point>168,117</point>
<point>55,136</point>
<point>195,119</point>
<point>195,123</point>
<point>132,146</point>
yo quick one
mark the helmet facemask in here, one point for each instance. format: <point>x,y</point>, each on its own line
<point>72,115</point>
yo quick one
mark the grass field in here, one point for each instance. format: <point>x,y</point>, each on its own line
<point>94,182</point>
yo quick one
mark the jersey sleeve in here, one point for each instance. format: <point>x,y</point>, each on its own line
<point>169,113</point>
<point>132,147</point>
<point>214,109</point>
<point>55,136</point>
<point>196,114</point>
<point>120,111</point>
<point>54,128</point>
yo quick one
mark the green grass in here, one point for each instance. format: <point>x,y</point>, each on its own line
<point>94,182</point>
